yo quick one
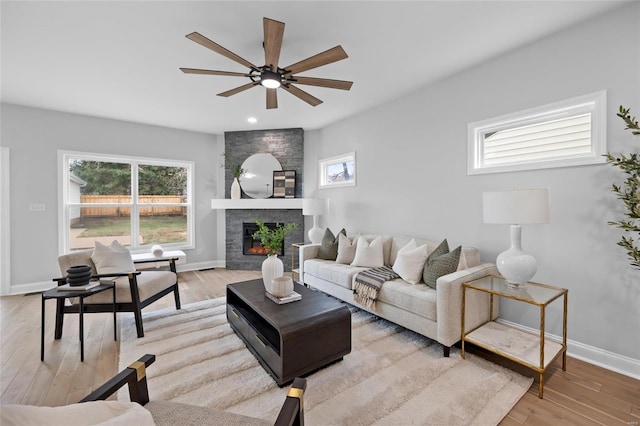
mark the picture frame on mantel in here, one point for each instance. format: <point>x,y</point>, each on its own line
<point>338,171</point>
<point>284,184</point>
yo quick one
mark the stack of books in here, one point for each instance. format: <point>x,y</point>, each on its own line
<point>84,287</point>
<point>285,299</point>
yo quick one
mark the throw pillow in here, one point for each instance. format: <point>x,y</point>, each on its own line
<point>441,265</point>
<point>410,261</point>
<point>329,245</point>
<point>346,249</point>
<point>114,258</point>
<point>369,254</point>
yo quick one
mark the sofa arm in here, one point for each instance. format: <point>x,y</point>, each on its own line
<point>306,251</point>
<point>449,303</point>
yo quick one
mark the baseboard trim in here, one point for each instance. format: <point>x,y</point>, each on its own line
<point>200,265</point>
<point>611,361</point>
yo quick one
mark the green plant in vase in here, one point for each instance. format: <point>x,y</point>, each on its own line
<point>272,239</point>
<point>628,193</point>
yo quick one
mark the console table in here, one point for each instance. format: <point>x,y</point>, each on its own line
<point>293,339</point>
<point>532,350</point>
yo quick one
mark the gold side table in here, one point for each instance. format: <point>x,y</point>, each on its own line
<point>532,350</point>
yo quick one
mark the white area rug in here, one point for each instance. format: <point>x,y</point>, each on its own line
<point>391,377</point>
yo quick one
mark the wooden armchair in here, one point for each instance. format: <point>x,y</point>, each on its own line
<point>134,290</point>
<point>140,411</point>
<point>173,413</point>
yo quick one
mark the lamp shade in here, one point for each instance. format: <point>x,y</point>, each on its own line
<point>519,206</point>
<point>315,206</point>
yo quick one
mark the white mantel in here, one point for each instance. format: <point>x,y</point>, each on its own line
<point>254,203</point>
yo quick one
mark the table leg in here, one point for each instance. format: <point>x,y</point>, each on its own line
<point>114,313</point>
<point>81,329</point>
<point>42,332</point>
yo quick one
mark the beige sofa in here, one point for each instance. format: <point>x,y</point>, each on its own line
<point>434,313</point>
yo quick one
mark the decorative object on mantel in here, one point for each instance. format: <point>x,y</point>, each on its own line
<point>272,239</point>
<point>257,181</point>
<point>516,207</point>
<point>284,184</point>
<point>628,193</point>
<point>237,171</point>
<point>315,207</point>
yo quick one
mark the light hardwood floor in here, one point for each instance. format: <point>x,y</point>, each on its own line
<point>582,395</point>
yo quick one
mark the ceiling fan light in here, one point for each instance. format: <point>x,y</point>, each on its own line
<point>270,80</point>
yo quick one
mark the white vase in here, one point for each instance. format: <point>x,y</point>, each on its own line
<point>235,189</point>
<point>272,267</point>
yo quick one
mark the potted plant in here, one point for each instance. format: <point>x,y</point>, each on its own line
<point>628,193</point>
<point>237,172</point>
<point>272,239</point>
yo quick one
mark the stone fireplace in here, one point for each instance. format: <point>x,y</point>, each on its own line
<point>287,146</point>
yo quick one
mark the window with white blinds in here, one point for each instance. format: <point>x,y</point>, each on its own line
<point>563,134</point>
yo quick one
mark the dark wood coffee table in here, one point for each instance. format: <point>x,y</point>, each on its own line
<point>293,339</point>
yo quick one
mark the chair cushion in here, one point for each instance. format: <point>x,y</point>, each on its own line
<point>114,258</point>
<point>175,413</point>
<point>150,283</point>
<point>86,413</point>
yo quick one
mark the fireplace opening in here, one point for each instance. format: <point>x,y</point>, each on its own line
<point>253,246</point>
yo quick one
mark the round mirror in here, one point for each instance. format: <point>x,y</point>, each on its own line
<point>257,180</point>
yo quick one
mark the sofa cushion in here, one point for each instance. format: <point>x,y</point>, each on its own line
<point>436,267</point>
<point>329,245</point>
<point>337,273</point>
<point>369,254</point>
<point>418,299</point>
<point>114,258</point>
<point>346,249</point>
<point>409,262</point>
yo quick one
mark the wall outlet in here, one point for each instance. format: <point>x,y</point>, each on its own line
<point>199,252</point>
<point>36,207</point>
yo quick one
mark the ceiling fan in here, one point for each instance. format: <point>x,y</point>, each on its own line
<point>270,75</point>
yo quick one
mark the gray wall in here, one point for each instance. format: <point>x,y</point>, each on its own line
<point>412,178</point>
<point>34,137</point>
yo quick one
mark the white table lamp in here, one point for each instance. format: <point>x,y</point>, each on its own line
<point>516,207</point>
<point>315,207</point>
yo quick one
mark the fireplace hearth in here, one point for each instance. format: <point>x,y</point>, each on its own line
<point>253,246</point>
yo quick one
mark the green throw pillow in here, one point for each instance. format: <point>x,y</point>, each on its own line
<point>435,267</point>
<point>329,245</point>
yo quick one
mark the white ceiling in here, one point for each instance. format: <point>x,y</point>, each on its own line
<point>120,59</point>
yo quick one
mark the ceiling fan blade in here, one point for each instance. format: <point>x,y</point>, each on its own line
<point>237,90</point>
<point>272,99</point>
<point>213,72</point>
<point>273,34</point>
<point>322,82</point>
<point>202,40</point>
<point>311,100</point>
<point>328,56</point>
